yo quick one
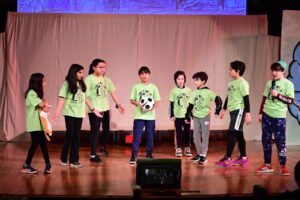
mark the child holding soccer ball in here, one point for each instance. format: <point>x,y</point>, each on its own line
<point>142,96</point>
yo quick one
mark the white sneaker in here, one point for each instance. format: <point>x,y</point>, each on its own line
<point>187,152</point>
<point>178,152</point>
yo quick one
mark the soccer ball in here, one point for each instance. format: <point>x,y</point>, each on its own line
<point>147,103</point>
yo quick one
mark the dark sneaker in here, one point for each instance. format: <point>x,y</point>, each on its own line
<point>196,158</point>
<point>132,160</point>
<point>95,158</point>
<point>224,162</point>
<point>202,160</point>
<point>27,169</point>
<point>48,169</point>
<point>149,156</point>
<point>104,151</point>
<point>75,165</point>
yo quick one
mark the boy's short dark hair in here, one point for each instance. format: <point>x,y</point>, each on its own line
<point>144,69</point>
<point>238,66</point>
<point>277,67</point>
<point>178,73</point>
<point>201,75</point>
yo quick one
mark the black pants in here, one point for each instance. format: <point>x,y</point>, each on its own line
<point>179,124</point>
<point>95,123</point>
<point>231,139</point>
<point>72,139</point>
<point>37,138</point>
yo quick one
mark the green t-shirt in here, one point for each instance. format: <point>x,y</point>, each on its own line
<point>237,89</point>
<point>97,91</point>
<point>274,107</point>
<point>73,107</point>
<point>140,91</point>
<point>33,122</point>
<point>201,99</point>
<point>180,98</point>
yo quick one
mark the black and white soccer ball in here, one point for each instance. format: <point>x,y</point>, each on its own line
<point>147,103</point>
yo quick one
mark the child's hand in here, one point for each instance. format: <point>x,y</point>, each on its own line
<point>259,118</point>
<point>98,113</point>
<point>248,118</point>
<point>274,93</point>
<point>139,104</point>
<point>172,119</point>
<point>46,108</point>
<point>222,114</point>
<point>121,109</point>
<point>187,121</point>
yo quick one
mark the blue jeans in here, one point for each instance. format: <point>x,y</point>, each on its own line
<point>138,126</point>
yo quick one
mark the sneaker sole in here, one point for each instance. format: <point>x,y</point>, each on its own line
<point>47,172</point>
<point>223,165</point>
<point>240,164</point>
<point>285,174</point>
<point>24,171</point>
<point>75,166</point>
<point>265,172</point>
<point>203,163</point>
<point>96,161</point>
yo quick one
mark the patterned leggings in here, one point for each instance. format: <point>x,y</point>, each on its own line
<point>277,126</point>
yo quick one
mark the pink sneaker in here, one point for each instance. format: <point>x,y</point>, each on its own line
<point>224,162</point>
<point>240,162</point>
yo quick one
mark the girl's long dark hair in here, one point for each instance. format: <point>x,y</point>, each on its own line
<point>94,63</point>
<point>36,84</point>
<point>72,80</point>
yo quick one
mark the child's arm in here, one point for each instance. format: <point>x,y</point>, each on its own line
<point>261,108</point>
<point>44,105</point>
<point>188,113</point>
<point>60,105</point>
<point>218,102</point>
<point>118,105</point>
<point>248,118</point>
<point>136,103</point>
<point>224,108</point>
<point>284,99</point>
<point>155,105</point>
<point>172,111</point>
<point>95,111</point>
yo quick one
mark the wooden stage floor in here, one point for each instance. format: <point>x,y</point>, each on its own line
<point>115,178</point>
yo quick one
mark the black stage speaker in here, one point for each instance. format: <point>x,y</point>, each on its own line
<point>162,173</point>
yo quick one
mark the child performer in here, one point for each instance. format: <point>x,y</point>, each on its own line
<point>179,101</point>
<point>278,93</point>
<point>72,101</point>
<point>238,105</point>
<point>143,118</point>
<point>99,86</point>
<point>199,108</point>
<point>34,101</point>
